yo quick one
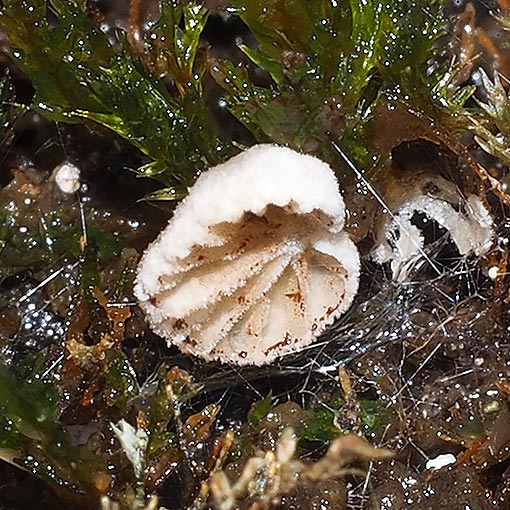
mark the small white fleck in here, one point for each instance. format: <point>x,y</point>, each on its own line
<point>493,272</point>
<point>67,177</point>
<point>440,461</point>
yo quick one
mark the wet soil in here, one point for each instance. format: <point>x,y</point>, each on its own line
<point>434,350</point>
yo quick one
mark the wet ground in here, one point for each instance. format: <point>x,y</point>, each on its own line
<point>421,367</point>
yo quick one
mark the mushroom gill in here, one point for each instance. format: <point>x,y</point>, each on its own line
<point>401,242</point>
<point>254,263</point>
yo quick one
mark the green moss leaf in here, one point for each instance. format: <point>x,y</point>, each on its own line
<point>78,75</point>
<point>121,383</point>
<point>260,410</point>
<point>329,62</point>
<point>320,426</point>
<point>29,428</point>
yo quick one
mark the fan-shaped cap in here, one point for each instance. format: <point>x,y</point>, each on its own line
<point>466,220</point>
<point>254,263</point>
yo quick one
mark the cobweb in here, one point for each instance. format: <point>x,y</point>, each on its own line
<point>420,332</point>
<point>419,335</point>
<point>389,323</point>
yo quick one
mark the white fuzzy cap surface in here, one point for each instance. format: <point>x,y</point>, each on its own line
<point>254,264</point>
<point>261,175</point>
<point>67,176</point>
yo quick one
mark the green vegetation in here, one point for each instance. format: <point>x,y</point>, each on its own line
<point>77,74</point>
<point>328,63</point>
<point>318,69</point>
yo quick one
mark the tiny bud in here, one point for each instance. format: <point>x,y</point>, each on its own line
<point>67,177</point>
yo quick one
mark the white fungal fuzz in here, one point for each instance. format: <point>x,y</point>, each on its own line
<point>134,443</point>
<point>445,459</point>
<point>67,177</point>
<point>467,222</point>
<point>254,263</point>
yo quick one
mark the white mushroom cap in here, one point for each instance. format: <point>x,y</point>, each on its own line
<point>67,176</point>
<point>254,264</point>
<point>467,222</point>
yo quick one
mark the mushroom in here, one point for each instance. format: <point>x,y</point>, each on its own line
<point>254,264</point>
<point>67,177</point>
<point>401,241</point>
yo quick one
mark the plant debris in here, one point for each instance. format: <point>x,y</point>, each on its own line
<point>96,411</point>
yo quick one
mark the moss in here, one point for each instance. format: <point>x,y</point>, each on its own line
<point>28,411</point>
<point>380,49</point>
<point>316,70</point>
<point>77,74</point>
